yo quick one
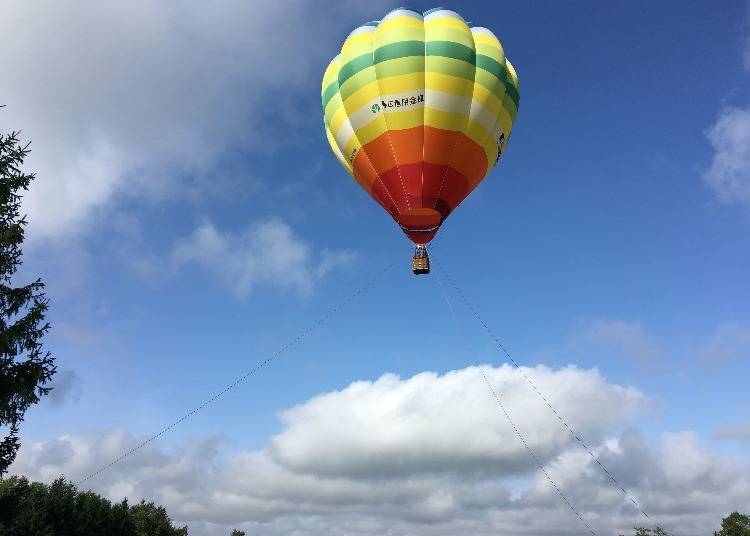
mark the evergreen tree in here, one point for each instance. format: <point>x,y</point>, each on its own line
<point>36,509</point>
<point>735,524</point>
<point>25,368</point>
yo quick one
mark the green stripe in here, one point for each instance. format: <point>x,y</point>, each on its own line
<point>449,49</point>
<point>329,92</point>
<point>354,66</point>
<point>449,66</point>
<point>400,49</point>
<point>499,70</point>
<point>513,93</point>
<point>489,81</point>
<point>510,106</point>
<point>357,82</point>
<point>331,110</point>
<point>492,66</point>
<point>400,66</point>
<point>436,52</point>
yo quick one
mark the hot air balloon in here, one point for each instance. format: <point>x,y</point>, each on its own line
<point>418,108</point>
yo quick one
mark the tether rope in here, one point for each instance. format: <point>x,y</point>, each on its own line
<point>315,325</point>
<point>498,398</point>
<point>576,435</point>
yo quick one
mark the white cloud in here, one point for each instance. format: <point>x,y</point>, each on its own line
<point>627,339</point>
<point>729,173</point>
<point>729,343</point>
<point>123,99</point>
<point>428,455</point>
<point>267,253</point>
<point>445,423</point>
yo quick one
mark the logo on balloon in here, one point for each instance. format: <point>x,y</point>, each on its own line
<point>375,108</point>
<point>403,102</point>
<point>500,146</point>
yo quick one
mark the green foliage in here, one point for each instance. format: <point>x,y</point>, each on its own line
<point>35,509</point>
<point>658,531</point>
<point>642,531</point>
<point>24,367</point>
<point>237,532</point>
<point>735,524</point>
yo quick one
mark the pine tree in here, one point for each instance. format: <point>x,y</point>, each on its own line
<point>25,368</point>
<point>735,524</point>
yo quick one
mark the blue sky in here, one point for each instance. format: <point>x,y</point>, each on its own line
<point>179,177</point>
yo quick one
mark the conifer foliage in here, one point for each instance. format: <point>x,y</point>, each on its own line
<point>25,367</point>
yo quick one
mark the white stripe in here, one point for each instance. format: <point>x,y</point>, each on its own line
<point>481,30</point>
<point>402,13</point>
<point>444,13</point>
<point>337,149</point>
<point>361,29</point>
<point>483,116</point>
<point>374,108</point>
<point>344,134</point>
<point>447,102</point>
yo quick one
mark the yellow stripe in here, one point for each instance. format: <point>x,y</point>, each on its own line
<point>461,36</point>
<point>476,132</point>
<point>448,84</point>
<point>402,83</point>
<point>434,23</point>
<point>445,120</point>
<point>332,72</point>
<point>405,119</point>
<point>362,39</point>
<point>371,131</point>
<point>400,22</point>
<point>362,96</point>
<point>486,98</point>
<point>486,39</point>
<point>338,119</point>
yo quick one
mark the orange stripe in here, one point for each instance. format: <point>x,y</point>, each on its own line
<point>438,144</point>
<point>379,152</point>
<point>470,160</point>
<point>407,144</point>
<point>364,174</point>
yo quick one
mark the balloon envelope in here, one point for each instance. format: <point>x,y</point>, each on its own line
<point>418,108</point>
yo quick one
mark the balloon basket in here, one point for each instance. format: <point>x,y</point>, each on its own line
<point>420,263</point>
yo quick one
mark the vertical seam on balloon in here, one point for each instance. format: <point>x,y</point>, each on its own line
<point>364,152</point>
<point>387,130</point>
<point>458,133</point>
<point>424,106</point>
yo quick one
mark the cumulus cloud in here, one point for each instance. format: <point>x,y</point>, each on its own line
<point>627,339</point>
<point>267,253</point>
<point>126,99</point>
<point>428,455</point>
<point>729,343</point>
<point>729,173</point>
<point>431,423</point>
